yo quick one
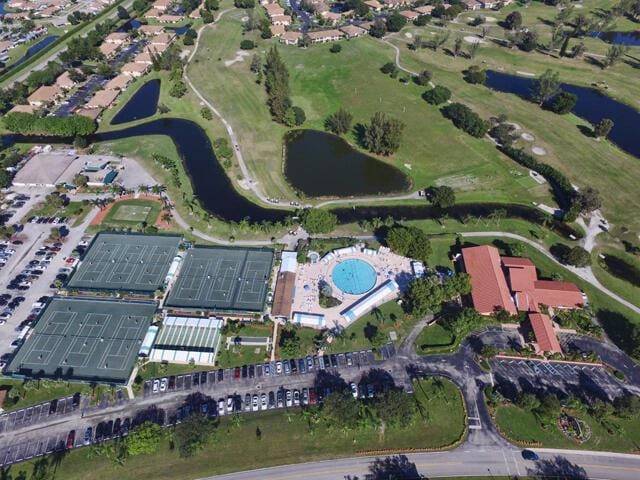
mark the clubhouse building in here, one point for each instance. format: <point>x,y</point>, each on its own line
<point>511,284</point>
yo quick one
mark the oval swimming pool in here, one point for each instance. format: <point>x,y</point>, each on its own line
<point>354,276</point>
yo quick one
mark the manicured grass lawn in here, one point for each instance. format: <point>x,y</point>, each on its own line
<point>34,392</point>
<point>585,161</point>
<point>240,355</point>
<point>320,83</point>
<point>435,335</point>
<point>285,439</point>
<point>622,287</point>
<point>388,317</point>
<point>131,213</point>
<point>521,425</point>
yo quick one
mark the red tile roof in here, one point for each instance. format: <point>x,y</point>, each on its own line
<point>489,289</point>
<point>516,262</point>
<point>522,279</point>
<point>558,294</point>
<point>545,335</point>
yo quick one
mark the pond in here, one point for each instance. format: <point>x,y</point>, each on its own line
<point>592,106</point>
<point>216,194</point>
<point>35,49</point>
<point>619,268</point>
<point>142,104</point>
<point>321,164</point>
<point>179,30</point>
<point>618,38</point>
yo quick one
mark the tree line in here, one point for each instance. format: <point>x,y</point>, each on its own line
<point>71,126</point>
<point>278,91</point>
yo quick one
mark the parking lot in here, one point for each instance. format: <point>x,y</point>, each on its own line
<point>214,393</point>
<point>271,373</point>
<point>556,377</point>
<point>43,260</point>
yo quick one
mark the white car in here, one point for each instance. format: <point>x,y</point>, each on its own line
<point>296,397</point>
<point>289,398</point>
<point>156,386</point>
<point>221,407</point>
<point>254,403</point>
<point>163,385</point>
<point>354,390</point>
<point>229,404</point>
<point>263,402</point>
<point>278,368</point>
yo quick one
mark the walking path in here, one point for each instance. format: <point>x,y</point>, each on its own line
<point>249,182</point>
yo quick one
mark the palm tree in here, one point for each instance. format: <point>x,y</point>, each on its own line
<point>143,188</point>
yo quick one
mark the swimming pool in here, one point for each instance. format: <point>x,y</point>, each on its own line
<point>354,276</point>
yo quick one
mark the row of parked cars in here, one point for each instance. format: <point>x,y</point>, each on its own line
<point>53,220</point>
<point>260,401</point>
<point>280,367</point>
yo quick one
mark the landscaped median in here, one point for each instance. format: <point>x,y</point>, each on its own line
<point>277,437</point>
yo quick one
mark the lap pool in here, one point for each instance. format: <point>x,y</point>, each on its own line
<point>354,276</point>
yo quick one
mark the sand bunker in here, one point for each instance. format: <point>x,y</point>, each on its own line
<point>472,39</point>
<point>539,151</point>
<point>240,54</point>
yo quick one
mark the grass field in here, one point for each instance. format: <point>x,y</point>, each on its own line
<point>586,162</point>
<point>624,288</point>
<point>388,318</point>
<point>321,82</point>
<point>435,335</point>
<point>521,425</point>
<point>285,439</point>
<point>133,212</point>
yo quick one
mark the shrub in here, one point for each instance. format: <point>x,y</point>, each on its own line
<point>437,95</point>
<point>563,103</point>
<point>335,48</point>
<point>395,22</point>
<point>247,45</point>
<point>423,78</point>
<point>475,75</point>
<point>388,68</point>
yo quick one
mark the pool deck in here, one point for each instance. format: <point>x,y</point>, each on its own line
<point>388,266</point>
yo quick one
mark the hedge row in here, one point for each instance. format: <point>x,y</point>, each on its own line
<point>565,193</point>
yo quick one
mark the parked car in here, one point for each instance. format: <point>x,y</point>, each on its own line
<point>156,386</point>
<point>87,435</point>
<point>163,385</point>
<point>71,438</point>
<point>354,390</point>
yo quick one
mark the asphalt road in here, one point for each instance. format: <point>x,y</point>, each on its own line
<point>461,462</point>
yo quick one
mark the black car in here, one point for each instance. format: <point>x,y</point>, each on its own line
<point>220,375</point>
<point>203,378</point>
<point>252,371</point>
<point>117,427</point>
<point>245,371</point>
<point>108,429</point>
<point>530,455</point>
<point>294,366</point>
<point>196,379</point>
<point>76,399</point>
<point>302,365</point>
<point>334,360</point>
<point>53,406</point>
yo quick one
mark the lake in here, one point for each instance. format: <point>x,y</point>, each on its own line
<point>618,38</point>
<point>142,104</point>
<point>592,106</point>
<point>217,195</point>
<point>321,164</point>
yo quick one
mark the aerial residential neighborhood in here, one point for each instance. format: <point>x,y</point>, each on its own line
<point>319,239</point>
